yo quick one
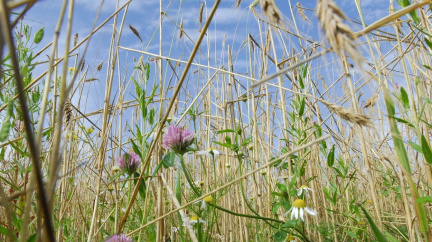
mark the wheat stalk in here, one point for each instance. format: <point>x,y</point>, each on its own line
<point>301,12</point>
<point>348,114</point>
<point>339,35</point>
<point>271,11</point>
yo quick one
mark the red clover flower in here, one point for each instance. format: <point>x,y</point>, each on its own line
<point>129,162</point>
<point>119,238</point>
<point>178,139</point>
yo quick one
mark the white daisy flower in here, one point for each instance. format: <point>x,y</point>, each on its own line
<point>298,208</point>
<point>290,238</point>
<point>210,152</point>
<point>174,230</point>
<point>283,179</point>
<point>116,168</point>
<point>193,220</point>
<point>305,189</point>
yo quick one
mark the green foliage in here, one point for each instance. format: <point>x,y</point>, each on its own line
<point>378,235</point>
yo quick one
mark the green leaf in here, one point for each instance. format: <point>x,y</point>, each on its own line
<point>429,43</point>
<point>286,204</point>
<point>413,14</point>
<point>282,187</point>
<point>38,36</point>
<point>142,187</point>
<point>280,236</point>
<point>32,238</point>
<point>426,150</point>
<point>379,236</point>
<point>390,237</point>
<point>223,144</point>
<point>416,147</point>
<point>331,156</point>
<point>290,224</point>
<point>228,140</point>
<point>404,97</point>
<point>302,107</point>
<point>147,68</point>
<point>225,131</point>
<point>4,131</point>
<point>168,159</point>
<point>427,199</point>
<point>151,116</point>
<point>4,231</point>
<point>398,143</point>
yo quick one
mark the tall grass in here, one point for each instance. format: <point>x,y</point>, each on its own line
<point>284,137</point>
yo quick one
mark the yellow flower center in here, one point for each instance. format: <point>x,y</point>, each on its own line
<point>304,186</point>
<point>208,199</point>
<point>290,238</point>
<point>194,218</point>
<point>299,203</point>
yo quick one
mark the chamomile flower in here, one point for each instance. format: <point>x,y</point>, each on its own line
<point>298,208</point>
<point>116,168</point>
<point>207,199</point>
<point>290,238</point>
<point>210,152</point>
<point>305,189</point>
<point>193,220</point>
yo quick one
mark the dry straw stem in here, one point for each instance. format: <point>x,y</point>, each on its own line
<point>391,17</point>
<point>6,31</point>
<point>268,164</point>
<point>338,33</point>
<point>164,119</point>
<point>177,204</point>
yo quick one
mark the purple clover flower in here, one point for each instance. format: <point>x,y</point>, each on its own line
<point>129,162</point>
<point>178,139</point>
<point>119,238</point>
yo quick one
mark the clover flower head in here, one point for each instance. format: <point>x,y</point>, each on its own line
<point>119,238</point>
<point>305,189</point>
<point>178,139</point>
<point>129,162</point>
<point>298,208</point>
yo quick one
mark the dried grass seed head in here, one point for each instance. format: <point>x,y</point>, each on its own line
<point>339,35</point>
<point>271,11</point>
<point>349,114</point>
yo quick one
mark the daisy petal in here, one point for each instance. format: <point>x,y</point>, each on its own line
<point>311,211</point>
<point>299,192</point>
<point>302,214</point>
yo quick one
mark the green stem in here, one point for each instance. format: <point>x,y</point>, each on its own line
<point>188,177</point>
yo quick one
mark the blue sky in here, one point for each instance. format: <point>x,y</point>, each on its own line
<point>230,24</point>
